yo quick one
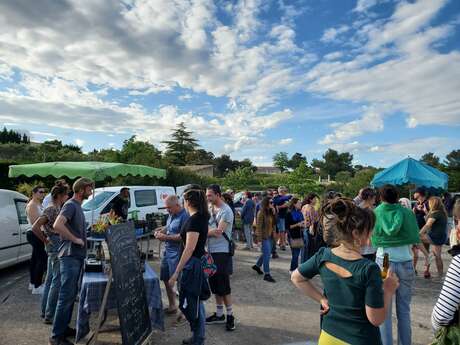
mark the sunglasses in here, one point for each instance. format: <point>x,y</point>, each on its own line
<point>41,192</point>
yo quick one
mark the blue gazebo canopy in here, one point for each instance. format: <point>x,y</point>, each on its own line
<point>411,171</point>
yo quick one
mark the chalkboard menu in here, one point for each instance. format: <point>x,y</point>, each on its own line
<point>129,284</point>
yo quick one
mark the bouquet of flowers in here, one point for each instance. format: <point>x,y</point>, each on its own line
<point>104,221</point>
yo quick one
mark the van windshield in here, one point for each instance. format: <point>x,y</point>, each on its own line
<point>99,199</point>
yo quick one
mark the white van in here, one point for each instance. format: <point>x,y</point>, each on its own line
<point>14,247</point>
<point>143,199</point>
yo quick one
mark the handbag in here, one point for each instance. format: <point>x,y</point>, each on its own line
<point>231,244</point>
<point>296,243</point>
<point>448,335</point>
<point>208,265</point>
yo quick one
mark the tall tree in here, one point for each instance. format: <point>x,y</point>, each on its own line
<point>281,161</point>
<point>224,164</point>
<point>140,152</point>
<point>431,159</point>
<point>180,145</point>
<point>296,160</point>
<point>453,159</point>
<point>200,157</point>
<point>333,162</point>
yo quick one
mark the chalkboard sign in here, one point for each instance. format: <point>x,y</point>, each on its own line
<point>129,284</point>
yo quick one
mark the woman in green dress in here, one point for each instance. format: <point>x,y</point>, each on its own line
<point>357,298</point>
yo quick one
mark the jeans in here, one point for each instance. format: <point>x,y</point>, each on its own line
<point>70,268</point>
<point>406,274</point>
<point>248,235</point>
<point>51,295</point>
<point>295,258</point>
<point>304,251</point>
<point>199,331</point>
<point>38,261</point>
<point>265,257</point>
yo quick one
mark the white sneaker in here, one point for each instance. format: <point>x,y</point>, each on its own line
<point>31,286</point>
<point>39,290</point>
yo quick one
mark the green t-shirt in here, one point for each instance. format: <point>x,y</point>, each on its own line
<point>438,231</point>
<point>348,297</point>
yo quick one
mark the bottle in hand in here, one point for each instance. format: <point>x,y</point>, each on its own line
<point>386,265</point>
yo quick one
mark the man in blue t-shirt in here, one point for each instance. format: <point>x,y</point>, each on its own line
<point>281,202</point>
<point>170,235</point>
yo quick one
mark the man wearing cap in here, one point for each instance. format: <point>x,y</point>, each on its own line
<point>170,235</point>
<point>70,225</point>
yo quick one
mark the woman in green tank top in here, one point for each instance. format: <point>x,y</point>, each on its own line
<point>357,298</point>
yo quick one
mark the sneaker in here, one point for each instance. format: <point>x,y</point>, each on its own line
<point>257,269</point>
<point>31,286</point>
<point>269,278</point>
<point>39,290</point>
<point>214,319</point>
<point>59,341</point>
<point>70,332</point>
<point>47,321</point>
<point>188,341</point>
<point>275,256</point>
<point>230,324</point>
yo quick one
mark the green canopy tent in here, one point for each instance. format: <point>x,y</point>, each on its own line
<point>97,171</point>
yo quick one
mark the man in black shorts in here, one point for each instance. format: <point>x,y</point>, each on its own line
<point>219,237</point>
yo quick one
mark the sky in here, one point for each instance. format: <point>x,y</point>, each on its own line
<point>250,78</point>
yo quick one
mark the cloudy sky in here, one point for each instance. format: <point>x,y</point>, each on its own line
<point>378,78</point>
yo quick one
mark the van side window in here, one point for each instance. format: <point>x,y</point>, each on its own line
<point>21,210</point>
<point>145,197</point>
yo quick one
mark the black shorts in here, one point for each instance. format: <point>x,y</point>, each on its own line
<point>220,282</point>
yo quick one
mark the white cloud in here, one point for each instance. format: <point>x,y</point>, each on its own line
<point>44,134</point>
<point>364,5</point>
<point>331,34</point>
<point>79,142</point>
<point>286,141</point>
<point>185,97</point>
<point>333,56</point>
<point>398,67</point>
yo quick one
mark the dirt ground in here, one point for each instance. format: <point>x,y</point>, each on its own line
<point>267,314</point>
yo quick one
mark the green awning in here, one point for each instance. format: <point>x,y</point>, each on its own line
<point>96,171</point>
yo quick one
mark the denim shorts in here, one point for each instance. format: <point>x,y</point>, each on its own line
<point>281,224</point>
<point>169,264</point>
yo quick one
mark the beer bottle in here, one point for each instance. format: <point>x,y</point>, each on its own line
<point>386,265</point>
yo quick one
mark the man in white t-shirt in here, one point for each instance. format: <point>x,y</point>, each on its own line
<point>219,246</point>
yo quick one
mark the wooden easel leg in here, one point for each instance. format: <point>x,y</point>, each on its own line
<point>102,314</point>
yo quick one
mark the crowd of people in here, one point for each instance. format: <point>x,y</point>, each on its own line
<point>345,241</point>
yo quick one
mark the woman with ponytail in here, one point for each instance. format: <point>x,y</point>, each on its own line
<point>356,303</point>
<point>194,234</point>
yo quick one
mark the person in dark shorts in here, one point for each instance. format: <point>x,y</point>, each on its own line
<point>219,237</point>
<point>434,232</point>
<point>420,210</point>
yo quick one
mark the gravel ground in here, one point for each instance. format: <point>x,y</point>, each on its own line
<point>268,314</point>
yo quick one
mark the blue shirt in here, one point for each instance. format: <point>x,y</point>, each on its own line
<point>247,213</point>
<point>279,201</point>
<point>173,227</point>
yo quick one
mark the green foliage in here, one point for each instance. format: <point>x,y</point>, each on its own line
<point>180,177</point>
<point>181,144</point>
<point>26,188</point>
<point>302,181</point>
<point>140,152</point>
<point>453,159</point>
<point>281,161</point>
<point>10,136</point>
<point>200,157</point>
<point>333,162</point>
<point>239,179</point>
<point>431,159</point>
<point>297,160</point>
<point>349,185</point>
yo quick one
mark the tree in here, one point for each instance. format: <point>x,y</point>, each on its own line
<point>281,161</point>
<point>453,159</point>
<point>200,157</point>
<point>246,163</point>
<point>301,181</point>
<point>296,160</point>
<point>224,164</point>
<point>240,178</point>
<point>180,145</point>
<point>10,136</point>
<point>431,159</point>
<point>140,152</point>
<point>333,162</point>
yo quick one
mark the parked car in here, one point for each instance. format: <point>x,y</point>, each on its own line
<point>142,200</point>
<point>14,247</point>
